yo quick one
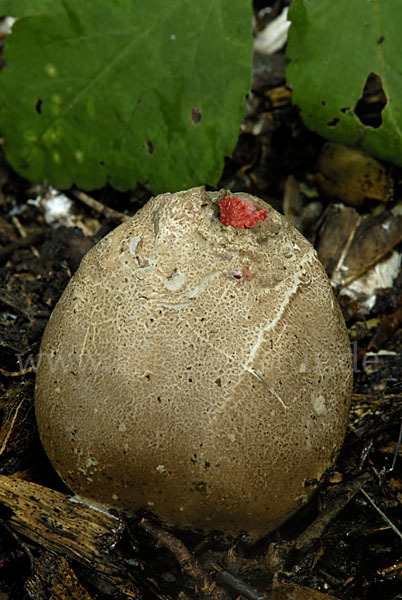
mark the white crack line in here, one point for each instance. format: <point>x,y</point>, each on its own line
<point>270,388</point>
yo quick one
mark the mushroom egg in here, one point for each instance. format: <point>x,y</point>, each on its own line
<point>196,369</point>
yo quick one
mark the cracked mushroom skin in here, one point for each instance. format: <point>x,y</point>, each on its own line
<point>196,369</point>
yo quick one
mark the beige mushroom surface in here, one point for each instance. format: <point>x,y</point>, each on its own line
<point>197,370</point>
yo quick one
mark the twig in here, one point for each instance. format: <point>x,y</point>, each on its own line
<point>396,453</point>
<point>51,519</point>
<point>237,585</point>
<point>8,426</point>
<point>99,207</point>
<point>383,515</point>
<point>26,242</point>
<point>19,542</point>
<point>338,267</point>
<point>23,233</point>
<point>384,471</point>
<point>316,529</point>
<point>17,373</point>
<point>188,563</point>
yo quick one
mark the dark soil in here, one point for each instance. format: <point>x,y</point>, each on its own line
<point>347,541</point>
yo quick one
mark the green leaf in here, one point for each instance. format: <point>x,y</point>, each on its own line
<point>23,8</point>
<point>125,91</point>
<point>333,48</point>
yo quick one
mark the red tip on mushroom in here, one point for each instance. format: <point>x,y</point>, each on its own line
<point>240,213</point>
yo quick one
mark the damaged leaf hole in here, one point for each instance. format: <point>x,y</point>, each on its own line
<point>196,115</point>
<point>333,123</point>
<point>369,107</point>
